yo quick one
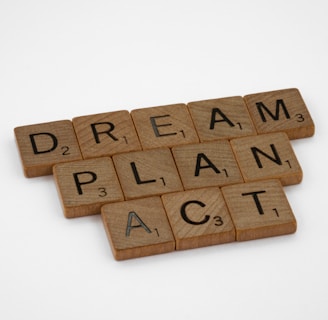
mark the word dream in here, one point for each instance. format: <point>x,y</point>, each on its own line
<point>178,176</point>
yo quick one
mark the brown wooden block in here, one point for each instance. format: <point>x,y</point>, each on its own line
<point>223,118</point>
<point>43,145</point>
<point>84,186</point>
<point>137,228</point>
<point>106,134</point>
<point>280,110</point>
<point>164,126</point>
<point>267,156</point>
<point>259,210</point>
<point>198,218</point>
<point>207,164</point>
<point>147,173</point>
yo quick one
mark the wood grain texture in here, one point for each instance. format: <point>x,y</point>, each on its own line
<point>137,228</point>
<point>164,126</point>
<point>199,218</point>
<point>147,173</point>
<point>267,156</point>
<point>179,176</point>
<point>43,145</point>
<point>281,111</point>
<point>106,134</point>
<point>223,118</point>
<point>207,164</point>
<point>259,210</point>
<point>84,186</point>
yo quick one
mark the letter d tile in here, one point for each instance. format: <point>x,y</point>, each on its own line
<point>43,145</point>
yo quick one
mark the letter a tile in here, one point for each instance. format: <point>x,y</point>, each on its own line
<point>259,210</point>
<point>280,111</point>
<point>207,164</point>
<point>267,156</point>
<point>137,228</point>
<point>223,118</point>
<point>199,218</point>
<point>84,186</point>
<point>43,145</point>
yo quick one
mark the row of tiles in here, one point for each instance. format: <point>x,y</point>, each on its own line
<point>43,145</point>
<point>197,218</point>
<point>85,185</point>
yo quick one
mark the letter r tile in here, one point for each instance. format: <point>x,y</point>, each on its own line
<point>43,145</point>
<point>259,209</point>
<point>164,126</point>
<point>84,186</point>
<point>137,228</point>
<point>106,134</point>
<point>280,111</point>
<point>199,218</point>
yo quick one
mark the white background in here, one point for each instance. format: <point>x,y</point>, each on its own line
<point>61,59</point>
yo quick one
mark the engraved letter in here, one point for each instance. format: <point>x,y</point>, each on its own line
<point>137,177</point>
<point>256,199</point>
<point>279,103</point>
<point>53,143</point>
<point>156,126</point>
<point>78,183</point>
<point>223,116</point>
<point>129,225</point>
<point>275,159</point>
<point>96,133</point>
<point>210,164</point>
<point>186,218</point>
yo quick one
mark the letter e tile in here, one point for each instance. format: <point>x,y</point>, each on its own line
<point>137,228</point>
<point>84,186</point>
<point>164,126</point>
<point>259,210</point>
<point>199,218</point>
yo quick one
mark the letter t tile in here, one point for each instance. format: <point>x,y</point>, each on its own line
<point>259,210</point>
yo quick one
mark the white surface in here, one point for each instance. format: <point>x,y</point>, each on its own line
<point>61,59</point>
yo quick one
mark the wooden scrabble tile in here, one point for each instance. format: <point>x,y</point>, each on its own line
<point>147,173</point>
<point>84,186</point>
<point>164,126</point>
<point>106,134</point>
<point>259,210</point>
<point>267,156</point>
<point>199,218</point>
<point>223,118</point>
<point>137,228</point>
<point>206,164</point>
<point>43,145</point>
<point>280,110</point>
